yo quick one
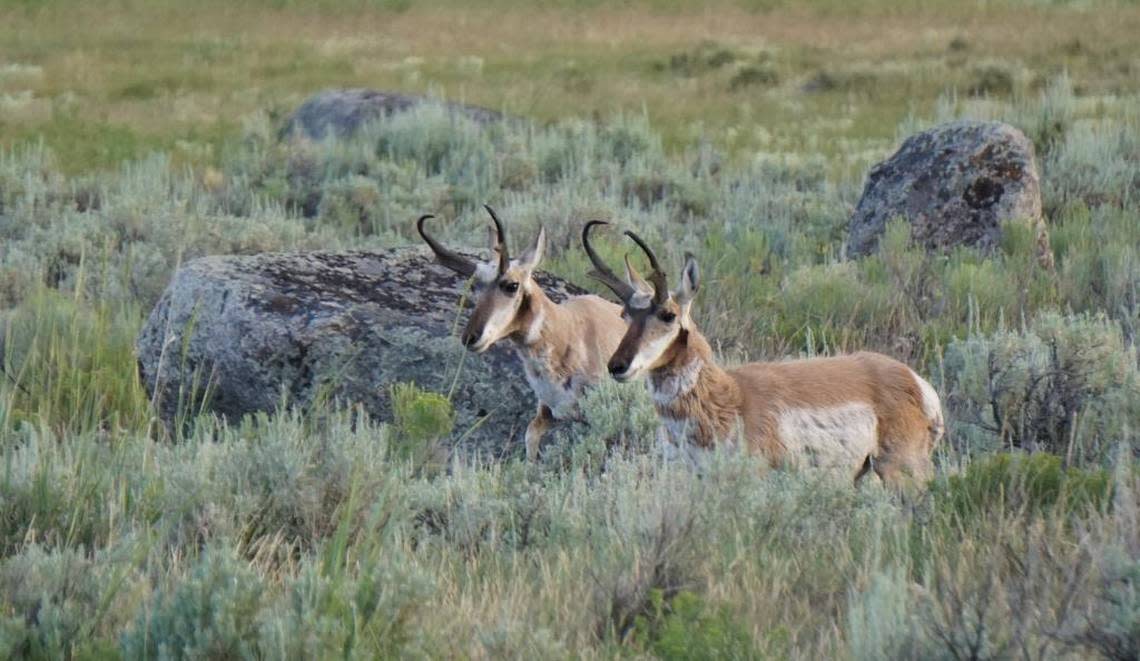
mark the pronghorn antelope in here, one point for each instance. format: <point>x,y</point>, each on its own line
<point>850,413</point>
<point>563,346</point>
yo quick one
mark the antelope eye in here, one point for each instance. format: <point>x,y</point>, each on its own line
<point>509,287</point>
<point>667,316</point>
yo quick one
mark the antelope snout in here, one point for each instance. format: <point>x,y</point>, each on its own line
<point>618,368</point>
<point>470,338</point>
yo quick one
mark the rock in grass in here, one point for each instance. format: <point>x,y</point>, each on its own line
<point>342,112</point>
<point>955,183</point>
<point>327,326</point>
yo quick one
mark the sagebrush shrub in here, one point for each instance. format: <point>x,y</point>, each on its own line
<point>61,603</point>
<point>367,612</point>
<point>1068,385</point>
<point>212,612</point>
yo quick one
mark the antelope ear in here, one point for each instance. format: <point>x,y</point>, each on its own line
<point>690,282</point>
<point>532,257</point>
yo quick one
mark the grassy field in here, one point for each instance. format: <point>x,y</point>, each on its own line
<point>103,82</point>
<point>136,136</point>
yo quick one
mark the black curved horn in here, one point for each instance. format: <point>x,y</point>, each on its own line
<point>657,277</point>
<point>602,273</point>
<point>504,258</point>
<point>448,258</point>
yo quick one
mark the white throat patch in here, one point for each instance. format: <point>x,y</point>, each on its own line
<point>534,330</point>
<point>668,388</point>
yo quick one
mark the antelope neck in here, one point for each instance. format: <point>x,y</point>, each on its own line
<point>541,316</point>
<point>691,364</point>
<point>667,385</point>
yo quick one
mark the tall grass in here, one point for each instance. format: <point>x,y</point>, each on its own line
<point>72,368</point>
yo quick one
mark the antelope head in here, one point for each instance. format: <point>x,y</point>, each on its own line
<point>658,320</point>
<point>504,287</point>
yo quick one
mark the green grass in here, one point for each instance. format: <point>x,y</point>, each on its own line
<point>72,367</point>
<point>823,76</point>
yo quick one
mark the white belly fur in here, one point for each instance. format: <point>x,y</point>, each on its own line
<point>832,437</point>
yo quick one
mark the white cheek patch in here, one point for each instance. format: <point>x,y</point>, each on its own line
<point>648,353</point>
<point>829,437</point>
<point>498,322</point>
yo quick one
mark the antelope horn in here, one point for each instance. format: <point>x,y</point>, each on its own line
<point>602,273</point>
<point>504,258</point>
<point>448,258</point>
<point>657,277</point>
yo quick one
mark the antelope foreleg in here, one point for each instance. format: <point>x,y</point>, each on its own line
<point>535,430</point>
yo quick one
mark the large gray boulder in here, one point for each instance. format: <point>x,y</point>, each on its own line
<point>955,183</point>
<point>342,112</point>
<point>346,325</point>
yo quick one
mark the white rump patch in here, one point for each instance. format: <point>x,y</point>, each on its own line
<point>931,404</point>
<point>829,437</point>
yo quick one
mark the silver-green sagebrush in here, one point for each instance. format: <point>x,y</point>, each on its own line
<point>327,533</point>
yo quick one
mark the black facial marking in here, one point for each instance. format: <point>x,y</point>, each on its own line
<point>639,314</point>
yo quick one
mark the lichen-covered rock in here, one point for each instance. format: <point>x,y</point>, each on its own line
<point>343,111</point>
<point>955,183</point>
<point>345,326</point>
